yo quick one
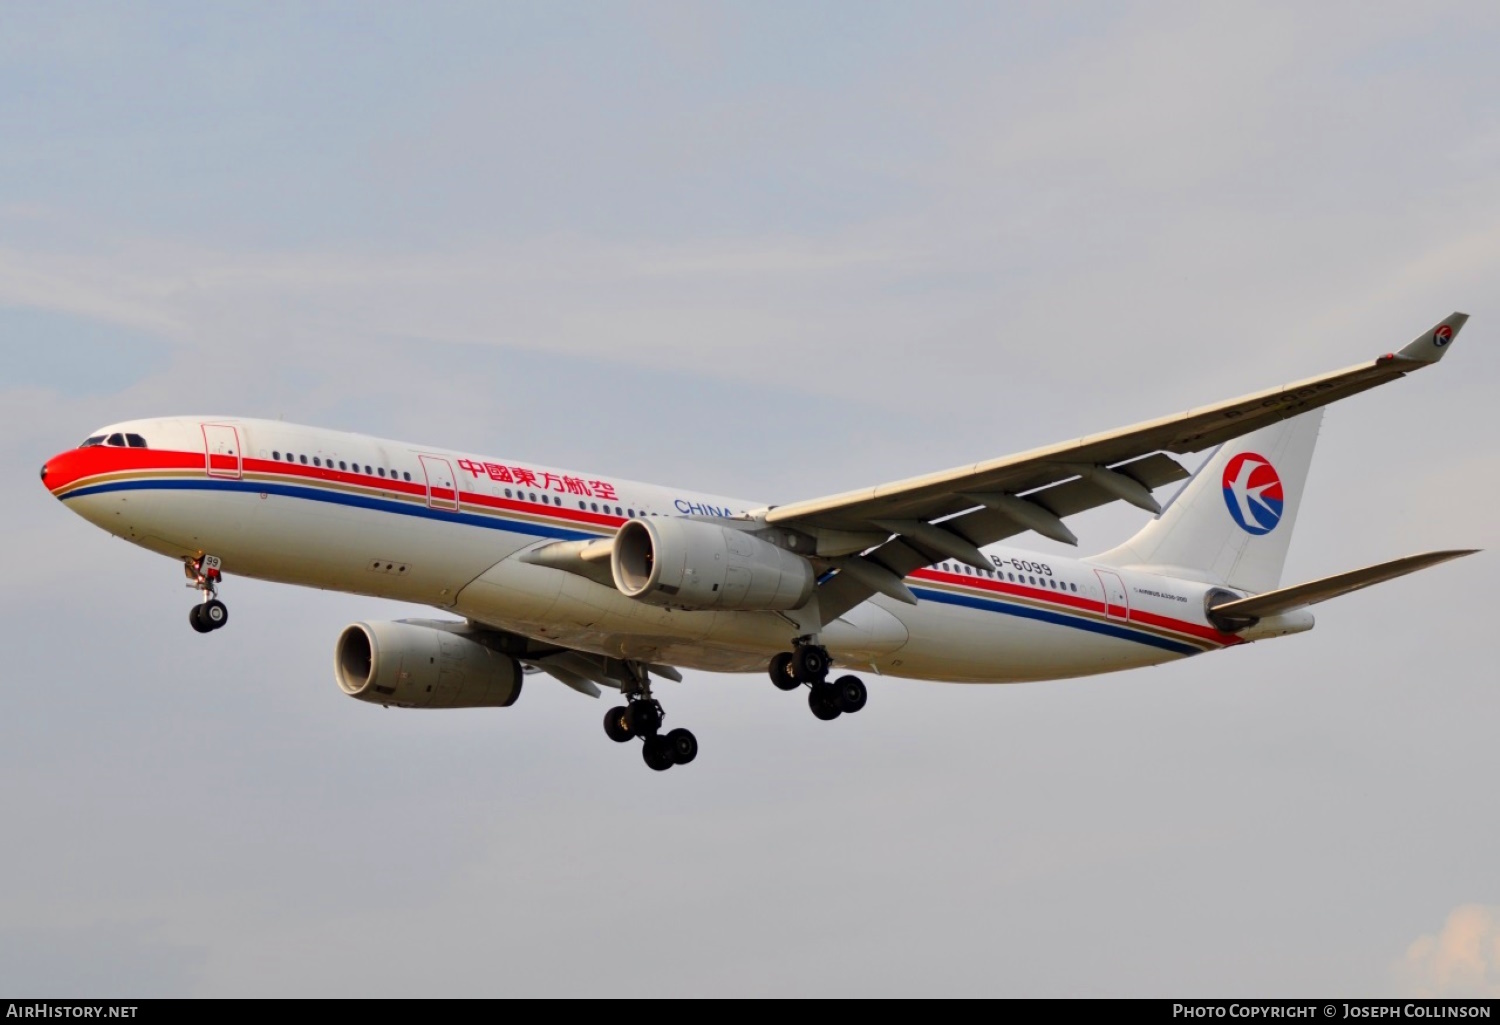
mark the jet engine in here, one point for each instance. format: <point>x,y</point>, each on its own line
<point>417,664</point>
<point>693,564</point>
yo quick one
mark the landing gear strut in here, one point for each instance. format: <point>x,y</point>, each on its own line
<point>808,663</point>
<point>642,717</point>
<point>203,575</point>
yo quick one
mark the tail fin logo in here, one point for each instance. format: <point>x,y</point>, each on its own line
<point>1252,491</point>
<point>1442,335</point>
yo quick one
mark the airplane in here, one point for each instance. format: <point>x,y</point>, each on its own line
<point>601,582</point>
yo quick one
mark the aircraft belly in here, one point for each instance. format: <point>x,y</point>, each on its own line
<point>865,635</point>
<point>548,604</point>
<point>310,543</point>
<point>964,645</point>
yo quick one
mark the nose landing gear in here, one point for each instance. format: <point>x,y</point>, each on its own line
<point>204,575</point>
<point>808,663</point>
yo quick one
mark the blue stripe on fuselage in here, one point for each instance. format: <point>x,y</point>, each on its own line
<point>337,498</point>
<point>1123,633</point>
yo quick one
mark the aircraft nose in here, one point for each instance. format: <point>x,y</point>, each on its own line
<point>54,474</point>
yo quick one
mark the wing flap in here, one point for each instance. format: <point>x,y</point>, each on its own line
<point>984,526</point>
<point>586,672</point>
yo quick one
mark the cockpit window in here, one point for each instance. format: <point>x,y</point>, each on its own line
<point>97,439</point>
<point>135,441</point>
<point>117,440</point>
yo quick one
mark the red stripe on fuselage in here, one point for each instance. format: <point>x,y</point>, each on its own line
<point>67,468</point>
<point>1076,601</point>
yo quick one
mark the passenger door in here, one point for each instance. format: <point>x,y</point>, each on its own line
<point>221,451</point>
<point>1116,604</point>
<point>441,491</point>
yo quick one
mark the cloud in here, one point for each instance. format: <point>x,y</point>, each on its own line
<point>1463,960</point>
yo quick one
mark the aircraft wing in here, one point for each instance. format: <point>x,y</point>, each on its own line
<point>586,672</point>
<point>878,535</point>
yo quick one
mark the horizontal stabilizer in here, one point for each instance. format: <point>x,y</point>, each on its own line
<point>1287,598</point>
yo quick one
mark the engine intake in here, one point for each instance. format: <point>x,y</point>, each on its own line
<point>693,564</point>
<point>416,664</point>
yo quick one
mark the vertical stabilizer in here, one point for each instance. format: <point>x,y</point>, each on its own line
<point>1232,522</point>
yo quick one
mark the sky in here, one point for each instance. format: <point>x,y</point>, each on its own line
<point>777,251</point>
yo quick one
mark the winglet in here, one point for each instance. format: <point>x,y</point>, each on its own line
<point>1430,346</point>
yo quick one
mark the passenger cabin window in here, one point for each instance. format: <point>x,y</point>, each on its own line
<point>405,476</point>
<point>302,460</point>
<point>380,470</point>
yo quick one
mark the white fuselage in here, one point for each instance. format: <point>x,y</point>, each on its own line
<point>347,512</point>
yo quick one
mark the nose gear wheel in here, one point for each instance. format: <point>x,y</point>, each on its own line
<point>204,575</point>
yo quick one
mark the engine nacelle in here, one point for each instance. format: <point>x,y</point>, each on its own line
<point>693,564</point>
<point>413,664</point>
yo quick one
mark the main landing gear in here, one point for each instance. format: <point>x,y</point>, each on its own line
<point>808,663</point>
<point>642,717</point>
<point>203,575</point>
